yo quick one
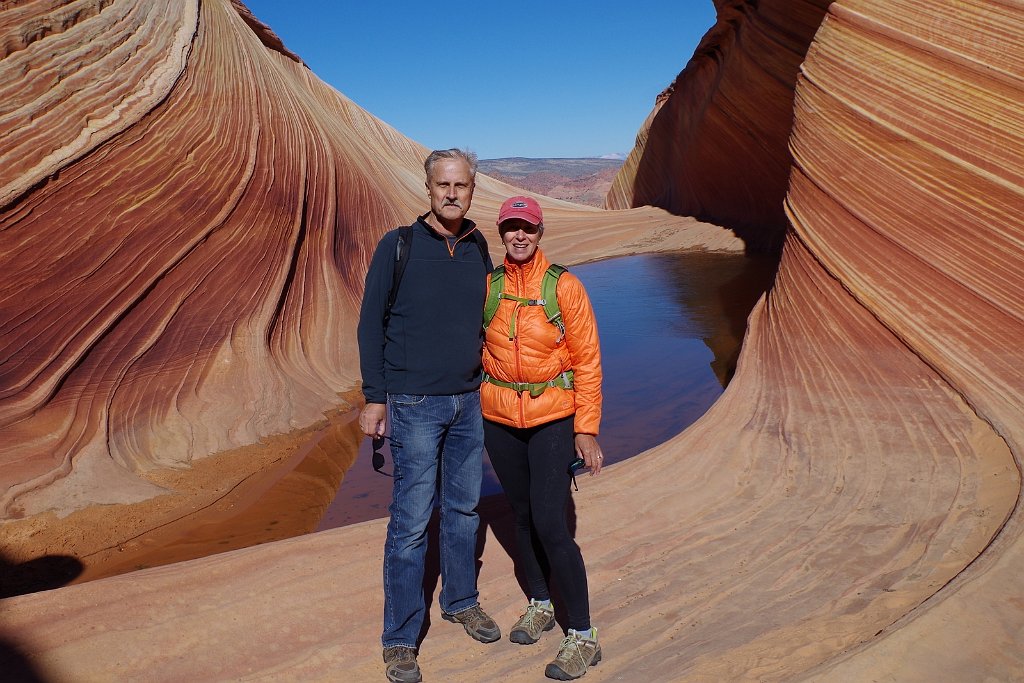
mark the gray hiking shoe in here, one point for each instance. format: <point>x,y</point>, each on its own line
<point>575,655</point>
<point>531,625</point>
<point>400,664</point>
<point>476,622</point>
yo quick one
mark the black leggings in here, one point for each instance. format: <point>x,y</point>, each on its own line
<point>533,468</point>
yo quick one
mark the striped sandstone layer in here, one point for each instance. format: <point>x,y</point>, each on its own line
<point>183,255</point>
<point>848,510</point>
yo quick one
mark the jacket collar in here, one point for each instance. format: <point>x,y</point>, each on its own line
<point>535,266</point>
<point>468,226</point>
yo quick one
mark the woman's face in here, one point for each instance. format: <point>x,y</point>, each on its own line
<point>520,239</point>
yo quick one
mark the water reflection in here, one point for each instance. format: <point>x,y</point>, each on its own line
<point>671,326</point>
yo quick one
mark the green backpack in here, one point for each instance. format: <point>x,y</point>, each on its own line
<point>549,299</point>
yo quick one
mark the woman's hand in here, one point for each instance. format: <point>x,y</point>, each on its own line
<point>588,449</point>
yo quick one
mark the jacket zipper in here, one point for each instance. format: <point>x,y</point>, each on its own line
<point>520,288</point>
<point>451,245</point>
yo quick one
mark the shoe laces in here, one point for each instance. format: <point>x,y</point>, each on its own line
<point>571,646</point>
<point>534,612</point>
<point>473,615</point>
<point>400,653</point>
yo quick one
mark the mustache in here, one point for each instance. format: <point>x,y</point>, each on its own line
<point>455,203</point>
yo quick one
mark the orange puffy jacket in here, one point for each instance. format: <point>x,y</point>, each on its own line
<point>538,355</point>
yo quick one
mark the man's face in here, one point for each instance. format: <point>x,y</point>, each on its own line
<point>450,189</point>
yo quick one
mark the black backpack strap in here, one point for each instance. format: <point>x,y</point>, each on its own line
<point>481,243</point>
<point>402,248</point>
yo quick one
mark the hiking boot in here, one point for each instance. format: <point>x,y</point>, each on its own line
<point>400,664</point>
<point>531,625</point>
<point>575,655</point>
<point>476,622</point>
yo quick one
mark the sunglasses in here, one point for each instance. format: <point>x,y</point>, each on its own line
<point>378,457</point>
<point>528,228</point>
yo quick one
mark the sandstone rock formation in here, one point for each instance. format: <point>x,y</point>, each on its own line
<point>186,214</point>
<point>183,240</point>
<point>715,145</point>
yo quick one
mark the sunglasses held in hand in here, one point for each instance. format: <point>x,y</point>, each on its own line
<point>378,457</point>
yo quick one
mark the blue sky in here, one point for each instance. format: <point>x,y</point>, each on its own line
<point>530,79</point>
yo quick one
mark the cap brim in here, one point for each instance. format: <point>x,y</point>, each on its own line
<point>529,217</point>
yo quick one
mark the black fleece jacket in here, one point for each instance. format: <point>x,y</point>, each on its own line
<point>434,337</point>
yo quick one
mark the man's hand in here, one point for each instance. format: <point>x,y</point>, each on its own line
<point>373,419</point>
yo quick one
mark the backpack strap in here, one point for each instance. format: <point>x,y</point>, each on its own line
<point>402,249</point>
<point>481,244</point>
<point>548,292</point>
<point>563,381</point>
<point>494,294</point>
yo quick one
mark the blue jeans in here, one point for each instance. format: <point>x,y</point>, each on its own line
<point>431,436</point>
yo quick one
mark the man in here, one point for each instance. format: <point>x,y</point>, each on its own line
<point>420,364</point>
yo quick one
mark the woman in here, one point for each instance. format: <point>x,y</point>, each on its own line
<point>541,400</point>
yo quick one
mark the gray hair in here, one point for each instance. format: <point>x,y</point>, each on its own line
<point>454,153</point>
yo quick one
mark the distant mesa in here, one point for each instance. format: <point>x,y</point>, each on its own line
<point>583,181</point>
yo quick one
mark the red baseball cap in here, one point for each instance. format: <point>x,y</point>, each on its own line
<point>521,207</point>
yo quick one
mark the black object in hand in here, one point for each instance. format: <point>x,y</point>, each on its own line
<point>378,457</point>
<point>575,465</point>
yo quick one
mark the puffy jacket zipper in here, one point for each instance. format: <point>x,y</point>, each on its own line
<point>520,289</point>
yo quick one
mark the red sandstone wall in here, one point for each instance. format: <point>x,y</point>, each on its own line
<point>715,144</point>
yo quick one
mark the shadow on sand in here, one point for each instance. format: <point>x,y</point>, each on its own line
<point>495,514</point>
<point>38,574</point>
